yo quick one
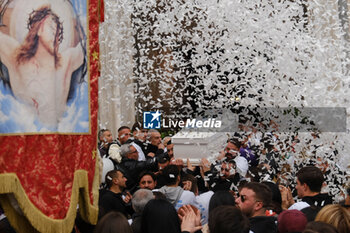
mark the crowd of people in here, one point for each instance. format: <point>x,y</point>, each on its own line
<point>245,189</point>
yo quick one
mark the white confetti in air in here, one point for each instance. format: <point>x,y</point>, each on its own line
<point>186,57</point>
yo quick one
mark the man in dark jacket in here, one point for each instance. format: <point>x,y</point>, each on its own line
<point>155,146</point>
<point>114,199</point>
<point>253,200</point>
<point>132,167</point>
<point>105,139</point>
<point>309,183</point>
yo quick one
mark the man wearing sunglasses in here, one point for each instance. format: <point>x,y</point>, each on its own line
<point>253,200</point>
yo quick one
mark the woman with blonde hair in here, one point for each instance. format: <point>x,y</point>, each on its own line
<point>335,215</point>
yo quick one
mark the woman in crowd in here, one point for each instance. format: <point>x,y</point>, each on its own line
<point>221,198</point>
<point>113,222</point>
<point>160,216</point>
<point>319,227</point>
<point>335,215</point>
<point>228,219</point>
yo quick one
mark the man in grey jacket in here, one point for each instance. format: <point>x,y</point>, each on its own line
<point>172,191</point>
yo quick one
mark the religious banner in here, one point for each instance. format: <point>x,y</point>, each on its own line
<point>49,66</point>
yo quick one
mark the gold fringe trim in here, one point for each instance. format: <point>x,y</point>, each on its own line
<point>32,220</point>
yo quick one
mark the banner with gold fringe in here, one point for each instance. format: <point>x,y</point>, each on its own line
<point>49,68</point>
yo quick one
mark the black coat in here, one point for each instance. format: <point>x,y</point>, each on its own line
<point>111,201</point>
<point>151,148</point>
<point>263,224</point>
<point>136,223</point>
<point>132,169</point>
<point>319,200</point>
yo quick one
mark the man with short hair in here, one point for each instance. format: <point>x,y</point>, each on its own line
<point>124,134</point>
<point>105,135</point>
<point>172,191</point>
<point>232,148</point>
<point>140,137</point>
<point>105,139</point>
<point>235,148</point>
<point>113,199</point>
<point>155,145</point>
<point>129,151</point>
<point>309,184</point>
<point>170,149</point>
<point>229,161</point>
<point>253,200</point>
<point>147,180</point>
<point>231,151</point>
<point>225,179</point>
<point>108,148</point>
<point>133,167</point>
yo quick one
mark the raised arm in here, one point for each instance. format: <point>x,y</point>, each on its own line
<point>7,50</point>
<point>71,59</point>
<point>75,57</point>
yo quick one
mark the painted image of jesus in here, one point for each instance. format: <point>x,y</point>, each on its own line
<point>39,73</point>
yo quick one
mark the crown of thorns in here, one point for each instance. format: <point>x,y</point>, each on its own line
<point>39,15</point>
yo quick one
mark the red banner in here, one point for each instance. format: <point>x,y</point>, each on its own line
<point>48,128</point>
